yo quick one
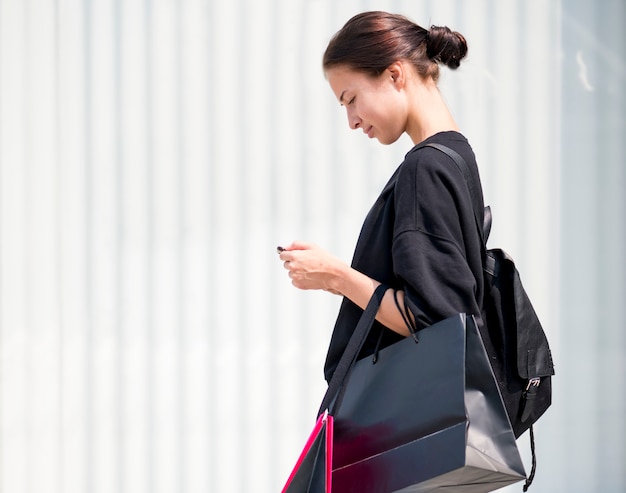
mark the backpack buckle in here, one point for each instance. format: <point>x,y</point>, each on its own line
<point>533,382</point>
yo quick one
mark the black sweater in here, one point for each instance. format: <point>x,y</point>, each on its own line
<point>420,236</point>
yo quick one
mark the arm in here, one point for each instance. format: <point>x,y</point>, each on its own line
<point>311,267</point>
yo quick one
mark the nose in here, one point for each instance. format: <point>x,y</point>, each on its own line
<point>353,120</point>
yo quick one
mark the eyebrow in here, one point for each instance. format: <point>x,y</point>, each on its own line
<point>341,97</point>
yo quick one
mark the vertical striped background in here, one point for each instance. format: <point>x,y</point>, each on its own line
<point>152,155</point>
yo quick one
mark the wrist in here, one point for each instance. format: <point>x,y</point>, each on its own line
<point>340,280</point>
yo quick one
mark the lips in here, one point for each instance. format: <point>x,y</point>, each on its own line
<point>369,131</point>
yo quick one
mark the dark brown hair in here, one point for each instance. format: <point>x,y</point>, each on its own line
<point>371,41</point>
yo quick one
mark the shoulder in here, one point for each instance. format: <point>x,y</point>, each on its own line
<point>431,165</point>
<point>424,151</point>
<point>426,163</point>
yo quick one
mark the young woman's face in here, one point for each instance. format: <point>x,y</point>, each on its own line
<point>374,104</point>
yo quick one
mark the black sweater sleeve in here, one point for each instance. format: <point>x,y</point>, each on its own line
<point>436,247</point>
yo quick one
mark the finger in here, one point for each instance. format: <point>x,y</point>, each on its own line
<point>300,245</point>
<point>287,255</point>
<point>302,284</point>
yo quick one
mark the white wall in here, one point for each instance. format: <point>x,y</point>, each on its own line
<point>154,153</point>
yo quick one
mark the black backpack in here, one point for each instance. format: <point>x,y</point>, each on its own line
<point>512,333</point>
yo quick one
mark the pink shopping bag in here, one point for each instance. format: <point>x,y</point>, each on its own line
<point>313,470</point>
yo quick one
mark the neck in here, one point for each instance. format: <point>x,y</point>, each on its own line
<point>428,114</point>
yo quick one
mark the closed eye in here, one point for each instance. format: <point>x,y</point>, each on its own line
<point>341,99</point>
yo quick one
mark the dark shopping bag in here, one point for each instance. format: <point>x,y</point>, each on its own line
<point>423,416</point>
<point>312,472</point>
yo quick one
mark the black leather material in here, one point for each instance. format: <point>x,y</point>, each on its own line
<point>515,340</point>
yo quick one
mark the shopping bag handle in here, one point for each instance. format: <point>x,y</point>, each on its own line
<point>350,354</point>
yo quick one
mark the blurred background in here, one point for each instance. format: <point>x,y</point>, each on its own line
<point>153,153</point>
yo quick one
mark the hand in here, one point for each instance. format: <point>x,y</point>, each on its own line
<point>311,267</point>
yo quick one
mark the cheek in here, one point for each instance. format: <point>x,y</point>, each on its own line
<point>387,108</point>
<point>396,115</point>
<point>394,126</point>
<point>385,117</point>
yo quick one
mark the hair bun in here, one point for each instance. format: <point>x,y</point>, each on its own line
<point>446,46</point>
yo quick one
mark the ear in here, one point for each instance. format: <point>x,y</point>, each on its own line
<point>397,73</point>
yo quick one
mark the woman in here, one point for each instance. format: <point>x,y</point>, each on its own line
<point>420,237</point>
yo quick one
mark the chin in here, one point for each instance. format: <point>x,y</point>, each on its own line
<point>387,140</point>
